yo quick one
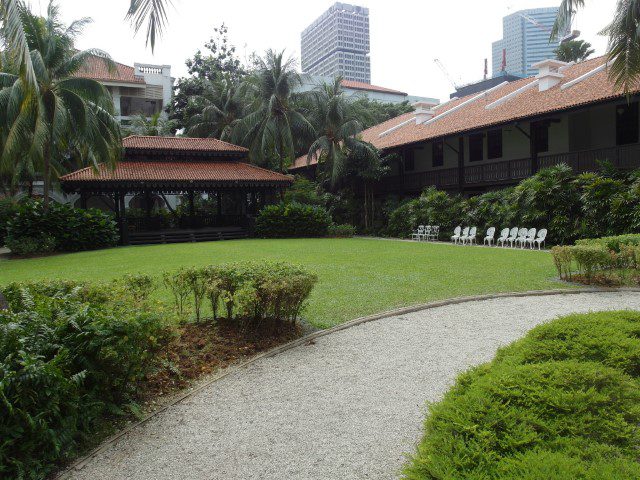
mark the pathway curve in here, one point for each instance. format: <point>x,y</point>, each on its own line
<point>348,406</point>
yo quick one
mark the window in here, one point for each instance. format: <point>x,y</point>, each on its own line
<point>541,131</point>
<point>494,143</point>
<point>437,151</point>
<point>627,123</point>
<point>476,147</point>
<point>409,161</point>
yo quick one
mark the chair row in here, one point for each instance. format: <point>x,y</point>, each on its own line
<point>426,233</point>
<point>513,237</point>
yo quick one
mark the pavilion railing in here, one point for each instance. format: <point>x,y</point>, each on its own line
<point>167,222</point>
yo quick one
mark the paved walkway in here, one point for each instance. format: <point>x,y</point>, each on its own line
<point>349,406</point>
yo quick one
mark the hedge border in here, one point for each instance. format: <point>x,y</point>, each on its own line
<point>81,462</point>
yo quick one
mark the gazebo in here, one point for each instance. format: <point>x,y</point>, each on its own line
<point>171,189</point>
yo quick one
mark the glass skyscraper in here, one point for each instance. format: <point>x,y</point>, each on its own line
<point>337,43</point>
<point>525,41</point>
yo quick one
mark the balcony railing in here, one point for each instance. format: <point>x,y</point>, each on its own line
<point>625,157</point>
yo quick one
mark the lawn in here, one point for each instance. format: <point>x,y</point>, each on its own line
<point>356,276</point>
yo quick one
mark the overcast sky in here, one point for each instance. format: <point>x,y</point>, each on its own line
<point>406,35</point>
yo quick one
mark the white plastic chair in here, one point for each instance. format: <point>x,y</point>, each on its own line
<point>435,232</point>
<point>491,235</point>
<point>470,237</point>
<point>531,236</point>
<point>522,236</point>
<point>417,235</point>
<point>540,239</point>
<point>457,233</point>
<point>513,236</point>
<point>504,235</point>
<point>427,233</point>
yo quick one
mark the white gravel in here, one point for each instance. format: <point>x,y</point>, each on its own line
<point>349,406</point>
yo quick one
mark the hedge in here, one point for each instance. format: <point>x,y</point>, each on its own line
<point>32,229</point>
<point>290,220</point>
<point>70,355</point>
<point>7,211</point>
<point>564,402</point>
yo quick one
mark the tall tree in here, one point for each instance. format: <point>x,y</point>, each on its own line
<point>623,50</point>
<point>574,51</point>
<point>224,106</point>
<point>60,116</point>
<point>337,132</point>
<point>275,126</point>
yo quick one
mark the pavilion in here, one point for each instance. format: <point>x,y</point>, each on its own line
<point>168,189</point>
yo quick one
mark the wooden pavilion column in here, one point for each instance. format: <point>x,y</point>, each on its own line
<point>122,215</point>
<point>83,200</point>
<point>533,147</point>
<point>461,164</point>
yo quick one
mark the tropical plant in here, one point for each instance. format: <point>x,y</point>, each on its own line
<point>223,108</point>
<point>274,127</point>
<point>151,12</point>
<point>337,130</point>
<point>623,51</point>
<point>155,126</point>
<point>574,51</point>
<point>59,116</point>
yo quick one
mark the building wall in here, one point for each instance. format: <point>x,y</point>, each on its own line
<point>337,43</point>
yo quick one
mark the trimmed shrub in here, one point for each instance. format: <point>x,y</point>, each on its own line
<point>342,231</point>
<point>27,246</point>
<point>612,243</point>
<point>71,229</point>
<point>590,258</point>
<point>7,211</point>
<point>561,403</point>
<point>563,259</point>
<point>68,358</point>
<point>290,220</point>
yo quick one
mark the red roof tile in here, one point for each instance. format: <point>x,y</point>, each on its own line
<point>136,142</point>
<point>368,87</point>
<point>96,69</point>
<point>530,103</point>
<point>212,171</point>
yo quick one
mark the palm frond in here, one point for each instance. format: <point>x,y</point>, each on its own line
<point>154,13</point>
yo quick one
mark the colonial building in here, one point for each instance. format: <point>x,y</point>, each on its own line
<point>141,89</point>
<point>571,114</point>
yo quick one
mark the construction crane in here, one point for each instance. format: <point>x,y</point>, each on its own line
<point>446,72</point>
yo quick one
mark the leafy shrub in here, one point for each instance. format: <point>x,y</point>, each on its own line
<point>563,259</point>
<point>72,229</point>
<point>7,211</point>
<point>65,363</point>
<point>612,243</point>
<point>342,231</point>
<point>139,286</point>
<point>178,284</point>
<point>303,191</point>
<point>292,220</point>
<point>590,258</point>
<point>560,403</point>
<point>31,245</point>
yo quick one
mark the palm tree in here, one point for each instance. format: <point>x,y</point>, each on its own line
<point>224,106</point>
<point>153,12</point>
<point>574,51</point>
<point>59,116</point>
<point>337,130</point>
<point>623,51</point>
<point>155,126</point>
<point>275,125</point>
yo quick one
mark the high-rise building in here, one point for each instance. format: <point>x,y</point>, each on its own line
<point>525,41</point>
<point>337,43</point>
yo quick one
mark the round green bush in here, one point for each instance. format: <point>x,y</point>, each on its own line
<point>291,220</point>
<point>342,231</point>
<point>71,229</point>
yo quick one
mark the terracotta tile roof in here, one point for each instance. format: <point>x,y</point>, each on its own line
<point>96,69</point>
<point>530,103</point>
<point>212,171</point>
<point>139,142</point>
<point>368,87</point>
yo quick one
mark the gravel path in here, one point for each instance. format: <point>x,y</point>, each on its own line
<point>349,406</point>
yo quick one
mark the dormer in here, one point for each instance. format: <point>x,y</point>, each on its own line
<point>549,73</point>
<point>424,111</point>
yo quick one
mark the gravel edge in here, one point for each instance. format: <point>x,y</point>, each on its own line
<point>80,462</point>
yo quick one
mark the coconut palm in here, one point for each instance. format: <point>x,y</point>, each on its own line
<point>223,106</point>
<point>623,50</point>
<point>151,12</point>
<point>60,116</point>
<point>574,51</point>
<point>275,127</point>
<point>337,131</point>
<point>156,125</point>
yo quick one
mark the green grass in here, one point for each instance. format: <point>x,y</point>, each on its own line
<point>561,403</point>
<point>356,276</point>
